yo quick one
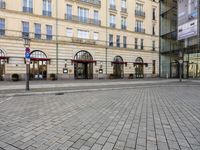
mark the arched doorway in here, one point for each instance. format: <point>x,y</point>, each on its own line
<point>139,68</point>
<point>38,66</point>
<point>118,67</point>
<point>2,64</point>
<point>83,65</point>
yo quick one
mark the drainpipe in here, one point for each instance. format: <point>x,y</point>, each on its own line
<point>106,38</point>
<point>57,38</point>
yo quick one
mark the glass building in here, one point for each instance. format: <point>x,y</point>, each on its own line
<point>173,50</point>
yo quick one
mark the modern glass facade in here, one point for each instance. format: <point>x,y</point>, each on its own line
<point>172,50</point>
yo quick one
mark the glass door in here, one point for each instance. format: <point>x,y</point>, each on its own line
<point>139,73</point>
<point>38,70</point>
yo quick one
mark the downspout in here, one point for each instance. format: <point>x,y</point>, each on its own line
<point>57,38</point>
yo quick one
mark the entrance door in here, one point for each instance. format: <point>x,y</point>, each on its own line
<point>83,65</point>
<point>83,70</point>
<point>2,67</point>
<point>38,70</point>
<point>118,67</point>
<point>118,71</point>
<point>139,73</point>
<point>193,67</point>
<point>139,68</point>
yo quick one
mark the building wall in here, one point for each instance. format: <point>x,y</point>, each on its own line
<point>12,44</point>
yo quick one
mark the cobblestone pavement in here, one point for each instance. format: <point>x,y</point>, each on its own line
<point>142,118</point>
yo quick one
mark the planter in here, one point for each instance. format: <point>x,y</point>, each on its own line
<point>15,77</point>
<point>53,77</point>
<point>130,76</point>
<point>111,76</point>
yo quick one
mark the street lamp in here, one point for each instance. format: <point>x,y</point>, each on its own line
<point>27,57</point>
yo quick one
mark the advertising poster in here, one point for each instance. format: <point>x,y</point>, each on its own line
<point>187,19</point>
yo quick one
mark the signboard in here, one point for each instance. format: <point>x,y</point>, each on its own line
<point>187,19</point>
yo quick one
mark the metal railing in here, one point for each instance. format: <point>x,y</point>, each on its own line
<point>124,10</point>
<point>123,27</point>
<point>140,13</point>
<point>138,29</point>
<point>112,7</point>
<point>46,13</point>
<point>2,32</point>
<point>94,2</point>
<point>28,9</point>
<point>112,25</point>
<point>82,19</point>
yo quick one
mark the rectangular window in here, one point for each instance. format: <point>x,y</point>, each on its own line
<point>124,41</point>
<point>28,6</point>
<point>96,17</point>
<point>154,14</point>
<point>118,40</point>
<point>139,26</point>
<point>123,23</point>
<point>83,14</point>
<point>96,36</point>
<point>2,26</point>
<point>110,40</point>
<point>25,29</point>
<point>136,43</point>
<point>83,34</point>
<point>153,30</point>
<point>49,32</point>
<point>142,44</point>
<point>153,45</point>
<point>112,21</point>
<point>37,31</point>
<point>69,12</point>
<point>123,3</point>
<point>69,32</point>
<point>154,67</point>
<point>46,7</point>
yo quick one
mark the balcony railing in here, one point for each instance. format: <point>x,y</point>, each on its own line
<point>138,29</point>
<point>112,25</point>
<point>25,34</point>
<point>49,37</point>
<point>46,13</point>
<point>2,5</point>
<point>139,13</point>
<point>94,2</point>
<point>28,9</point>
<point>112,7</point>
<point>124,10</point>
<point>37,36</point>
<point>82,19</point>
<point>2,32</point>
<point>123,27</point>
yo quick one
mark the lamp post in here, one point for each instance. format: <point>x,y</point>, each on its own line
<point>27,58</point>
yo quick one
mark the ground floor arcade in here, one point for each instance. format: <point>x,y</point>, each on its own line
<point>78,62</point>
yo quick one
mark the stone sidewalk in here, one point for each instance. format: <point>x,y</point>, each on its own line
<point>151,118</point>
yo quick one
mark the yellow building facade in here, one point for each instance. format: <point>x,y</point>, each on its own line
<point>80,39</point>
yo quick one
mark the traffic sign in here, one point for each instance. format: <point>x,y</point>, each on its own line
<point>27,50</point>
<point>27,55</point>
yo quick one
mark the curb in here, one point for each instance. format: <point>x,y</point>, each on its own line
<point>89,90</point>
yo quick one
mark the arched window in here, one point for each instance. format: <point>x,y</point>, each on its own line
<point>83,55</point>
<point>139,60</point>
<point>118,59</point>
<point>2,54</point>
<point>38,54</point>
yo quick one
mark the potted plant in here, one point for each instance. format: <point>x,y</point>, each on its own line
<point>130,76</point>
<point>15,77</point>
<point>53,77</point>
<point>111,76</point>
